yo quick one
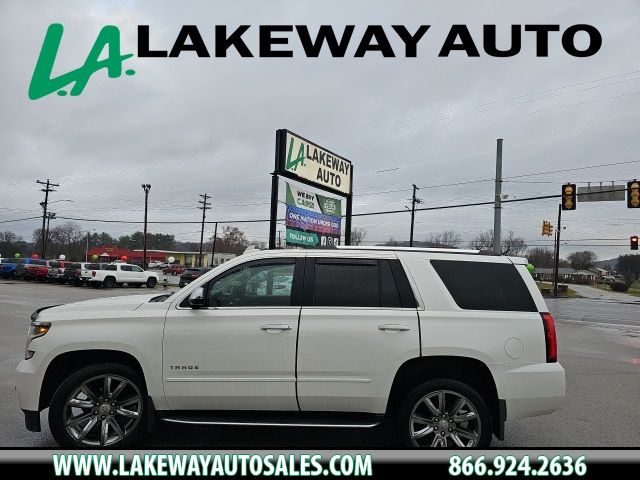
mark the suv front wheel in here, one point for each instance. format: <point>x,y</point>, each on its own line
<point>99,406</point>
<point>444,413</point>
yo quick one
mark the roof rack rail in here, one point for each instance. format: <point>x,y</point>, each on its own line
<point>416,249</point>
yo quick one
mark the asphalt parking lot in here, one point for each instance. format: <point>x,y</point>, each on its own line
<point>599,347</point>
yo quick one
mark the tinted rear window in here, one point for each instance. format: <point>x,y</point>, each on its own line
<point>93,266</point>
<point>485,286</point>
<point>355,283</point>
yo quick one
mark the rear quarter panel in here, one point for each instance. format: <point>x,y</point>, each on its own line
<point>502,340</point>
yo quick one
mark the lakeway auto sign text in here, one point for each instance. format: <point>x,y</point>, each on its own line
<point>308,161</point>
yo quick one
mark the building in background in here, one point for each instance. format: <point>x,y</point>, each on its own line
<point>109,253</point>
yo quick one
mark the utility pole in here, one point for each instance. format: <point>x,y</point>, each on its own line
<point>213,247</point>
<point>146,187</point>
<point>86,251</point>
<point>497,209</point>
<point>414,201</point>
<point>557,259</point>
<point>50,216</point>
<point>205,206</point>
<point>47,189</point>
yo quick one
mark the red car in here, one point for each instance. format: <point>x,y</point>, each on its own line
<point>37,270</point>
<point>174,270</point>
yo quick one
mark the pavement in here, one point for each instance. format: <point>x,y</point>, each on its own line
<point>595,293</point>
<point>599,347</point>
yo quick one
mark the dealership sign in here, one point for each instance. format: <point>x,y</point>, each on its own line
<point>303,160</point>
<point>312,220</point>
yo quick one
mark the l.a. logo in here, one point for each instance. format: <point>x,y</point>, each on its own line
<point>41,82</point>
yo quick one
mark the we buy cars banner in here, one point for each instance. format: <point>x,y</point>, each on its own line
<point>312,220</point>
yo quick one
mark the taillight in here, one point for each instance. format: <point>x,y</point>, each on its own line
<point>93,273</point>
<point>550,338</point>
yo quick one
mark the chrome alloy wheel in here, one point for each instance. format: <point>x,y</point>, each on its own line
<point>444,418</point>
<point>103,410</point>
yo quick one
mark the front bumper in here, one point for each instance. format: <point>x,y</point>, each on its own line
<point>28,383</point>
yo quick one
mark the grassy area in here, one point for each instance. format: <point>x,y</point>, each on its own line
<point>633,290</point>
<point>570,293</point>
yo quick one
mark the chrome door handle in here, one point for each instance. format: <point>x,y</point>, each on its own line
<point>394,327</point>
<point>279,327</point>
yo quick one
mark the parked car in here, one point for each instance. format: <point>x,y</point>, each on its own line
<point>87,268</point>
<point>120,273</point>
<point>446,346</point>
<point>73,273</point>
<point>157,265</point>
<point>56,270</point>
<point>174,269</point>
<point>190,274</point>
<point>8,266</point>
<point>19,267</point>
<point>36,270</point>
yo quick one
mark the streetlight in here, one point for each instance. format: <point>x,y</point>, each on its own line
<point>86,252</point>
<point>146,187</point>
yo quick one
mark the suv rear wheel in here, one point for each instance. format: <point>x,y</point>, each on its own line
<point>99,406</point>
<point>444,413</point>
<point>109,282</point>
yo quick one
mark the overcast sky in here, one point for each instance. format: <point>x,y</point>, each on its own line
<point>192,125</point>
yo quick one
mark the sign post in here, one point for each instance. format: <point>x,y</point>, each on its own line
<point>306,162</point>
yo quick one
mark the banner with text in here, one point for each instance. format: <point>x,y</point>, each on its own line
<point>312,220</point>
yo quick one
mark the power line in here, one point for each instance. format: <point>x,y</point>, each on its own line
<point>448,112</point>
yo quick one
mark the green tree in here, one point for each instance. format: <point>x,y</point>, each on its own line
<point>629,266</point>
<point>582,260</point>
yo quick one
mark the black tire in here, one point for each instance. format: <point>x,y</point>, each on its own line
<point>181,284</point>
<point>109,282</point>
<point>481,424</point>
<point>58,408</point>
<point>151,282</point>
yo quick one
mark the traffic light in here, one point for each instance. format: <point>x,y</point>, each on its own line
<point>569,196</point>
<point>634,242</point>
<point>633,194</point>
<point>547,228</point>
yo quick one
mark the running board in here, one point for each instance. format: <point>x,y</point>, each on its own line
<point>273,419</point>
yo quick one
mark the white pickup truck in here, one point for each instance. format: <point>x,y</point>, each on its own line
<point>119,273</point>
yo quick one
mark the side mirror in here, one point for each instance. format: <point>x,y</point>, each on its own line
<point>196,299</point>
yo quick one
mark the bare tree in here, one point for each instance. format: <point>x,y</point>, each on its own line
<point>444,239</point>
<point>510,245</point>
<point>482,241</point>
<point>358,235</point>
<point>582,260</point>
<point>540,257</point>
<point>233,241</point>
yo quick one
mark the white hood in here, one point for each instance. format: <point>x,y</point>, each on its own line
<point>122,303</point>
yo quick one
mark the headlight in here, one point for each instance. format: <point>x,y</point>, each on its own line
<point>36,329</point>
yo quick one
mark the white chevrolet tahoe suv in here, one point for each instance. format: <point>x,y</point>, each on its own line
<point>442,345</point>
<point>118,273</point>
